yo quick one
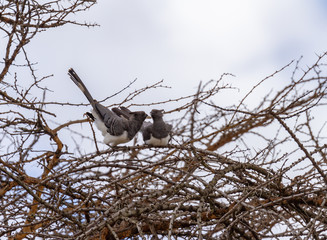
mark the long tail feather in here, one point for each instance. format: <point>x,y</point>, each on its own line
<point>76,79</point>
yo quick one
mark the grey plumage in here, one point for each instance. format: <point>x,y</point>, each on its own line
<point>115,128</point>
<point>158,132</point>
<point>122,112</point>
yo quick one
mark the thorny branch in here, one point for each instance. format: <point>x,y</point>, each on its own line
<point>231,171</point>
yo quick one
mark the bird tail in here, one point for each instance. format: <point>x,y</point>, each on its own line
<point>76,79</point>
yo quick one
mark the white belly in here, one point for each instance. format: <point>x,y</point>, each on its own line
<point>115,140</point>
<point>109,139</point>
<point>158,142</point>
<point>99,124</point>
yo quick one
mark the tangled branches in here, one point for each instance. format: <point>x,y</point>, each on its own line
<point>232,171</point>
<point>224,176</point>
<point>21,20</point>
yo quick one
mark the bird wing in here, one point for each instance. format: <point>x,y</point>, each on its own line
<point>145,125</point>
<point>119,113</point>
<point>115,124</point>
<point>169,127</point>
<point>160,129</point>
<point>146,130</point>
<point>122,112</point>
<point>125,110</point>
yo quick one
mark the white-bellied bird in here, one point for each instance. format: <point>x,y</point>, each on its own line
<point>115,129</point>
<point>156,133</point>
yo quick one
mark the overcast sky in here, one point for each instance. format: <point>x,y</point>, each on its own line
<point>180,41</point>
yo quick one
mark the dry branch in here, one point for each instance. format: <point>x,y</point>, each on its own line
<point>236,172</point>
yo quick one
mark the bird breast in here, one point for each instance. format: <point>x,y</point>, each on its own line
<point>158,141</point>
<point>115,140</point>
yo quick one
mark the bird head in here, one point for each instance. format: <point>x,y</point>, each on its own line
<point>155,113</point>
<point>138,116</point>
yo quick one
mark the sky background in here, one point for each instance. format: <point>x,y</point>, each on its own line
<point>181,41</point>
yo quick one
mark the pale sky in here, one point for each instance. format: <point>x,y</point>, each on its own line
<point>180,41</point>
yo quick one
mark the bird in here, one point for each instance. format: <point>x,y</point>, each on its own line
<point>122,112</point>
<point>157,133</point>
<point>116,129</point>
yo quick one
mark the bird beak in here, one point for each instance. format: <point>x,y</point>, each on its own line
<point>148,117</point>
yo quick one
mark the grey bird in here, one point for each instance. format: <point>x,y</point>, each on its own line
<point>122,112</point>
<point>156,133</point>
<point>116,129</point>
